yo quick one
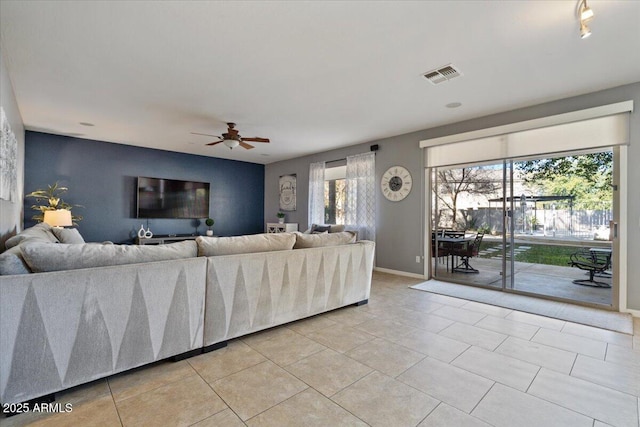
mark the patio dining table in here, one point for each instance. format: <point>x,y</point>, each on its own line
<point>450,242</point>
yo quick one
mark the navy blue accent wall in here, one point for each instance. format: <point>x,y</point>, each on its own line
<point>101,176</point>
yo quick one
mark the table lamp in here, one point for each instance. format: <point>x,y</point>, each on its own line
<point>58,218</point>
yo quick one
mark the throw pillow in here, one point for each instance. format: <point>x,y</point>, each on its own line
<point>67,235</point>
<point>41,232</point>
<point>320,240</point>
<point>333,228</point>
<point>41,257</point>
<point>336,228</point>
<point>11,262</point>
<point>315,228</point>
<point>211,246</point>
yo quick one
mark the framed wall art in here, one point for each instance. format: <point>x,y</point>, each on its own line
<point>8,160</point>
<point>287,192</point>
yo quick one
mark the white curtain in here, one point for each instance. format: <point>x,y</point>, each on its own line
<point>361,195</point>
<point>316,193</point>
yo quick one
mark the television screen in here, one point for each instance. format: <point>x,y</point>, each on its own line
<point>170,198</point>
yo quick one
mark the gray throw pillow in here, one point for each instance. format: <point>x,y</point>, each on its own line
<point>67,235</point>
<point>45,257</point>
<point>11,262</point>
<point>319,229</point>
<point>40,232</point>
<point>327,239</point>
<point>333,228</point>
<point>211,246</point>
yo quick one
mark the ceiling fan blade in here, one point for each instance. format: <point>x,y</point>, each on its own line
<point>256,139</point>
<point>245,145</point>
<point>204,134</point>
<point>214,142</point>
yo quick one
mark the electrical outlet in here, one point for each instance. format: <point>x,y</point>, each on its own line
<point>418,259</point>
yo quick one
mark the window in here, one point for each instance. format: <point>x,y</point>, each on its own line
<point>335,195</point>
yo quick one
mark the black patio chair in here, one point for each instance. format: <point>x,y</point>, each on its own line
<point>467,252</point>
<point>594,263</point>
<point>440,252</point>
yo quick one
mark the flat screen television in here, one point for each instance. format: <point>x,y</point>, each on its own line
<point>171,198</point>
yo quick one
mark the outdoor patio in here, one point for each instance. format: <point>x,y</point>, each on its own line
<point>549,280</point>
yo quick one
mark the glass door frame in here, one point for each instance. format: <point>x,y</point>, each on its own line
<point>508,280</point>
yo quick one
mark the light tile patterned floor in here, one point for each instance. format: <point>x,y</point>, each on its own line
<point>408,358</point>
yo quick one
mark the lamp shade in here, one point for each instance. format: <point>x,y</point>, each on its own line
<point>58,218</point>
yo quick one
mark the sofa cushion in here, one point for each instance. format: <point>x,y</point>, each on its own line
<point>42,257</point>
<point>326,239</point>
<point>40,232</point>
<point>67,235</point>
<point>211,246</point>
<point>11,262</point>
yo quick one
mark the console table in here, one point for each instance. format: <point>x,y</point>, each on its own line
<point>276,227</point>
<point>161,240</point>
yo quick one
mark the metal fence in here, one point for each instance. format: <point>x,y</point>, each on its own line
<point>570,223</point>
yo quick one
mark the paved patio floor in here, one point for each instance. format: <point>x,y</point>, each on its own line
<point>549,280</point>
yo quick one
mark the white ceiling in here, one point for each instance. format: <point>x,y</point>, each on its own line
<point>311,76</point>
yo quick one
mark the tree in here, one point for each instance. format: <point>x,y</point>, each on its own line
<point>588,177</point>
<point>595,168</point>
<point>452,183</point>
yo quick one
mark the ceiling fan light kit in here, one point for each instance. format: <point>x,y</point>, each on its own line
<point>231,143</point>
<point>232,138</point>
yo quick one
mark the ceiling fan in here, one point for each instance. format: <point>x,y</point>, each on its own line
<point>232,138</point>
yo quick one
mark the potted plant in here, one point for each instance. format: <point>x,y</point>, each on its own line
<point>209,222</point>
<point>50,200</point>
<point>280,216</point>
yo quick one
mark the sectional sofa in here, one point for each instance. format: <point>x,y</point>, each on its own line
<point>73,312</point>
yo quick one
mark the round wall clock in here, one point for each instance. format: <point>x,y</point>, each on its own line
<point>396,183</point>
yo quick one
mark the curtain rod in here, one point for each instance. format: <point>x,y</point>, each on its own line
<point>343,159</point>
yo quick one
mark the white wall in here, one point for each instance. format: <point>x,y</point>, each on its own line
<point>11,212</point>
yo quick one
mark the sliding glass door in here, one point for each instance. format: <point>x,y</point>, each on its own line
<point>469,229</point>
<point>540,226</point>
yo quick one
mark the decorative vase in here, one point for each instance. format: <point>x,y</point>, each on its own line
<point>281,220</point>
<point>209,232</point>
<point>148,234</point>
<point>141,232</point>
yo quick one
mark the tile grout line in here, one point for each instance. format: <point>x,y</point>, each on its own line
<point>115,405</point>
<point>220,397</point>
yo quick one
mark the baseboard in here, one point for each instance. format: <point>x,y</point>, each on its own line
<point>399,273</point>
<point>634,313</point>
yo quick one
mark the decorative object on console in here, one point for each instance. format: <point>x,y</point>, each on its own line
<point>287,186</point>
<point>53,202</point>
<point>232,138</point>
<point>276,227</point>
<point>145,234</point>
<point>280,216</point>
<point>396,183</point>
<point>58,218</point>
<point>209,223</point>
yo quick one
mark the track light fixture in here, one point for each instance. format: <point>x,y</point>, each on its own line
<point>585,14</point>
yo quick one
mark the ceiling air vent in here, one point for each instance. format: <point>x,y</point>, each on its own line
<point>442,74</point>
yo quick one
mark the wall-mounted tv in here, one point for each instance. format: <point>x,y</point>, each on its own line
<point>171,198</point>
